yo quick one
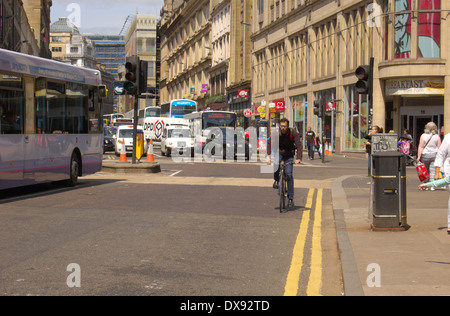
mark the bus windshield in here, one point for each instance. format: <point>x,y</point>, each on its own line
<point>218,119</point>
<point>152,112</point>
<point>182,109</point>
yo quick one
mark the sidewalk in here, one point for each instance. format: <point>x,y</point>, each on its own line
<point>406,263</point>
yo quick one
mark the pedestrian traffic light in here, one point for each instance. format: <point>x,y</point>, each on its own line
<point>143,74</point>
<point>131,75</point>
<point>364,75</point>
<point>319,108</point>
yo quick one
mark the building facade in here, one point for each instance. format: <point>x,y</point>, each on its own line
<point>38,13</point>
<point>308,50</point>
<point>186,55</point>
<point>141,40</point>
<point>18,24</point>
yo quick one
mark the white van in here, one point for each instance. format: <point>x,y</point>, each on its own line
<point>125,132</point>
<point>177,138</point>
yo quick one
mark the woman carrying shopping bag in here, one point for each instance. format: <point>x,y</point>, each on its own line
<point>428,148</point>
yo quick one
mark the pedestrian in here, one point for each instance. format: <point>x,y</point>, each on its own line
<point>436,184</point>
<point>310,139</point>
<point>441,163</point>
<point>375,130</point>
<point>429,144</point>
<point>318,146</point>
<point>289,141</point>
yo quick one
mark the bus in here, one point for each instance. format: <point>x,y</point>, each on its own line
<point>109,118</point>
<point>201,122</point>
<point>178,108</point>
<point>150,111</point>
<point>50,121</point>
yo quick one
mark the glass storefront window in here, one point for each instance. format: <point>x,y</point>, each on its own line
<point>298,106</point>
<point>355,120</point>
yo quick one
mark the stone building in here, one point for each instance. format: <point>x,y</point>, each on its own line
<point>308,50</point>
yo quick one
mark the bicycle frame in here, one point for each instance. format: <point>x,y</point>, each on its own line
<point>283,185</point>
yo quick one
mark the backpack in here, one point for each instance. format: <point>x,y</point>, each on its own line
<point>405,147</point>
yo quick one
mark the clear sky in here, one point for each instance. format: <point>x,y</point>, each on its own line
<point>105,17</point>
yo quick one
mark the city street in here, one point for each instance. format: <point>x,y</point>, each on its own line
<point>193,229</point>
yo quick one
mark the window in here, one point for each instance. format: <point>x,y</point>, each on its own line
<point>356,119</point>
<point>429,28</point>
<point>11,105</point>
<point>402,29</point>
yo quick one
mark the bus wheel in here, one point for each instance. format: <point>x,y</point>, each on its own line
<point>74,170</point>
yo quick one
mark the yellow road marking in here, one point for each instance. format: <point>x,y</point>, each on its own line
<point>293,277</point>
<point>315,278</point>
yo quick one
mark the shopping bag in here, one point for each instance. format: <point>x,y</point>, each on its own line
<point>422,172</point>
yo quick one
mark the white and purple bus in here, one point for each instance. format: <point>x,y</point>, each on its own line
<point>50,121</point>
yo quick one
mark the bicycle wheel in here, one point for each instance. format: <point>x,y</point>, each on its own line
<point>283,191</point>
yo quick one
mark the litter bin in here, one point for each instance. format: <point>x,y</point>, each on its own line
<point>389,190</point>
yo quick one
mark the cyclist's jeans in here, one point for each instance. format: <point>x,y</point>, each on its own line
<point>289,175</point>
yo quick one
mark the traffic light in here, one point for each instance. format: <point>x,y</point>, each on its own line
<point>131,76</point>
<point>143,74</point>
<point>102,91</point>
<point>364,75</point>
<point>319,108</point>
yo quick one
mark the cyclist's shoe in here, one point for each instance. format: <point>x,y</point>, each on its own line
<point>290,203</point>
<point>275,185</point>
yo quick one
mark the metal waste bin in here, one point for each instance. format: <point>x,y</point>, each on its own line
<point>389,190</point>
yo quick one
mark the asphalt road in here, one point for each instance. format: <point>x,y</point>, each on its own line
<point>195,229</point>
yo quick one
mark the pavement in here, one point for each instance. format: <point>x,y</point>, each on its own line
<point>414,261</point>
<point>409,262</point>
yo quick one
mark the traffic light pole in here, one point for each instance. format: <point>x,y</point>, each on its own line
<point>135,123</point>
<point>370,94</point>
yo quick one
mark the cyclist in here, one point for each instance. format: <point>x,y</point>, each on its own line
<point>288,142</point>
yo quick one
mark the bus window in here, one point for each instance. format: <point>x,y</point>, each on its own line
<point>11,105</point>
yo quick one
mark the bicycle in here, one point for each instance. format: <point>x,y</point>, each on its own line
<point>282,185</point>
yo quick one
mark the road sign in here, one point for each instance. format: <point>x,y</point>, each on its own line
<point>118,88</point>
<point>248,113</point>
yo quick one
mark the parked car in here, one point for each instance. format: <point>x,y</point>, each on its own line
<point>242,147</point>
<point>108,139</point>
<point>177,138</point>
<point>125,132</point>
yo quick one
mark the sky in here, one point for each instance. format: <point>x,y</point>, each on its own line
<point>105,17</point>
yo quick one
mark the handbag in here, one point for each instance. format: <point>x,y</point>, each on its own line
<point>422,172</point>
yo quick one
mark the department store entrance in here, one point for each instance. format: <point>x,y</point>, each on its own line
<point>415,118</point>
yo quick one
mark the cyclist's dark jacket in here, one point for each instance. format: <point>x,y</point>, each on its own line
<point>288,144</point>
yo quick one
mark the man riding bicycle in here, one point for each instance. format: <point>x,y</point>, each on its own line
<point>289,141</point>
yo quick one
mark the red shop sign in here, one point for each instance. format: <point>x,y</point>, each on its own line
<point>279,105</point>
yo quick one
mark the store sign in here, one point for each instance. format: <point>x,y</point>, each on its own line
<point>415,86</point>
<point>243,94</point>
<point>248,113</point>
<point>205,88</point>
<point>279,105</point>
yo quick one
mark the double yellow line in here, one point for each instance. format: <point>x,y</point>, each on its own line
<point>315,277</point>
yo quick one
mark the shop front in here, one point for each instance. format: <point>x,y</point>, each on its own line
<point>356,120</point>
<point>417,101</point>
<point>328,123</point>
<point>239,103</point>
<point>299,117</point>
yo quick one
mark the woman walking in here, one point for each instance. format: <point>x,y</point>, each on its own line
<point>442,155</point>
<point>428,148</point>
